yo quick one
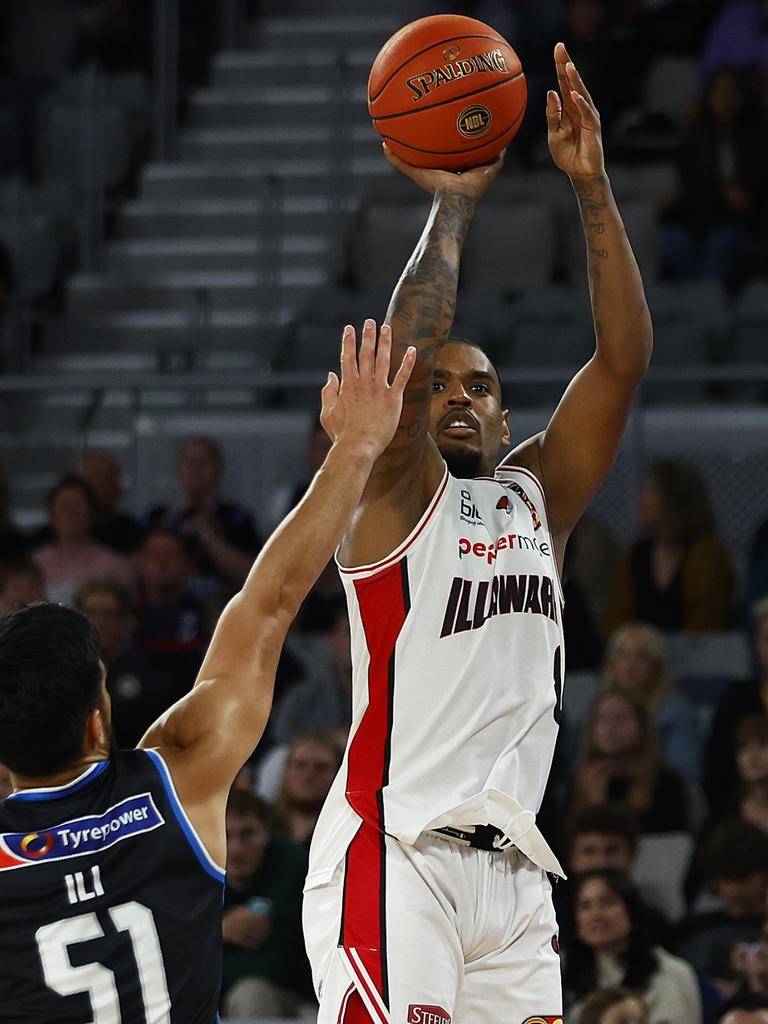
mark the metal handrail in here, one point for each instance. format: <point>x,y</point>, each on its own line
<point>259,380</point>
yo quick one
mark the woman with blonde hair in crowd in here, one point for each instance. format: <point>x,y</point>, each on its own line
<point>310,768</point>
<point>636,662</point>
<point>620,762</point>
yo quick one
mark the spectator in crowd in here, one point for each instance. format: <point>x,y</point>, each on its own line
<point>115,529</point>
<point>13,543</point>
<point>138,692</point>
<point>172,623</point>
<point>714,227</point>
<point>738,39</point>
<point>747,1008</point>
<point>734,862</point>
<point>73,556</point>
<point>20,583</point>
<point>317,611</point>
<point>636,662</point>
<point>603,837</point>
<point>324,701</point>
<point>621,762</point>
<point>291,492</point>
<point>310,768</point>
<point>614,1006</point>
<point>750,799</point>
<point>741,700</point>
<point>752,763</point>
<point>612,947</point>
<point>750,960</point>
<point>221,535</point>
<point>678,574</point>
<point>264,963</point>
<point>756,586</point>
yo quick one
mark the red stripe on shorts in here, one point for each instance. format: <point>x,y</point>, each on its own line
<point>384,602</point>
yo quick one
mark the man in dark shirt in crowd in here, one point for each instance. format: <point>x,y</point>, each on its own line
<point>221,535</point>
<point>735,864</point>
<point>139,693</point>
<point>173,629</point>
<point>115,529</point>
<point>20,583</point>
<point>747,1008</point>
<point>324,701</point>
<point>264,961</point>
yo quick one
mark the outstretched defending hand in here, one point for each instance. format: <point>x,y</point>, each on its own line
<point>364,408</point>
<point>471,183</point>
<point>573,123</point>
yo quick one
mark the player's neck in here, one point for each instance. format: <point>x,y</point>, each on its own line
<point>57,779</point>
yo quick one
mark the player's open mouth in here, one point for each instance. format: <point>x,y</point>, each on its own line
<point>459,427</point>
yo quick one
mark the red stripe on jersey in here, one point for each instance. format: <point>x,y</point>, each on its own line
<point>353,1009</point>
<point>384,602</point>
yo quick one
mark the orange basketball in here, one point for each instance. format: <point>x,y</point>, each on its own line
<point>448,92</point>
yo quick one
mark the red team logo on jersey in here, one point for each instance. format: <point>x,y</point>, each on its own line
<point>543,1020</point>
<point>418,1014</point>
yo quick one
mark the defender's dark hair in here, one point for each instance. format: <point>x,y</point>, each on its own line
<point>49,683</point>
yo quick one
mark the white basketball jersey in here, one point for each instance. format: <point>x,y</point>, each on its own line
<point>457,654</point>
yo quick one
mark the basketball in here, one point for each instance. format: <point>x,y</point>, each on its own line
<point>447,92</point>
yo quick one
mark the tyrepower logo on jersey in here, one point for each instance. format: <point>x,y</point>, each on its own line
<point>471,603</point>
<point>92,834</point>
<point>418,1014</point>
<point>510,542</point>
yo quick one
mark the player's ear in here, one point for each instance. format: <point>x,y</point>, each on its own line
<point>506,437</point>
<point>96,731</point>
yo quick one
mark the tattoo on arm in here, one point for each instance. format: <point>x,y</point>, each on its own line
<point>593,199</point>
<point>421,314</point>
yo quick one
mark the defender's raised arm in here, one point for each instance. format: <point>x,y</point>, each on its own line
<point>208,735</point>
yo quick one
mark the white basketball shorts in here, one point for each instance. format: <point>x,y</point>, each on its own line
<point>436,933</point>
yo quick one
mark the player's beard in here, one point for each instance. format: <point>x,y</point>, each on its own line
<point>463,463</point>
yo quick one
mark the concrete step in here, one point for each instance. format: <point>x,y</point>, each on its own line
<point>367,30</point>
<point>165,330</point>
<point>277,66</point>
<point>278,142</point>
<point>277,105</point>
<point>201,218</point>
<point>77,362</point>
<point>193,292</point>
<point>143,256</point>
<point>300,177</point>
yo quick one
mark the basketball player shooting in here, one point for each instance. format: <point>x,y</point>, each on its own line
<point>428,897</point>
<point>111,898</point>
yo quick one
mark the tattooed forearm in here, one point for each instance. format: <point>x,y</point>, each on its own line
<point>621,317</point>
<point>423,305</point>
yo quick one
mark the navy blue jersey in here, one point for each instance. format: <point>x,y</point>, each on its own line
<point>110,907</point>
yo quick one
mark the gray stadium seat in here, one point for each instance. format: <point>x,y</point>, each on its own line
<point>662,861</point>
<point>690,325</point>
<point>510,247</point>
<point>672,86</point>
<point>387,236</point>
<point>32,242</point>
<point>63,134</point>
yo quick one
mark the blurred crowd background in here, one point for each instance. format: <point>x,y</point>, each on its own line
<point>192,203</point>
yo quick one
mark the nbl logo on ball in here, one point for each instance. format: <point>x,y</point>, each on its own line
<point>474,121</point>
<point>544,1020</point>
